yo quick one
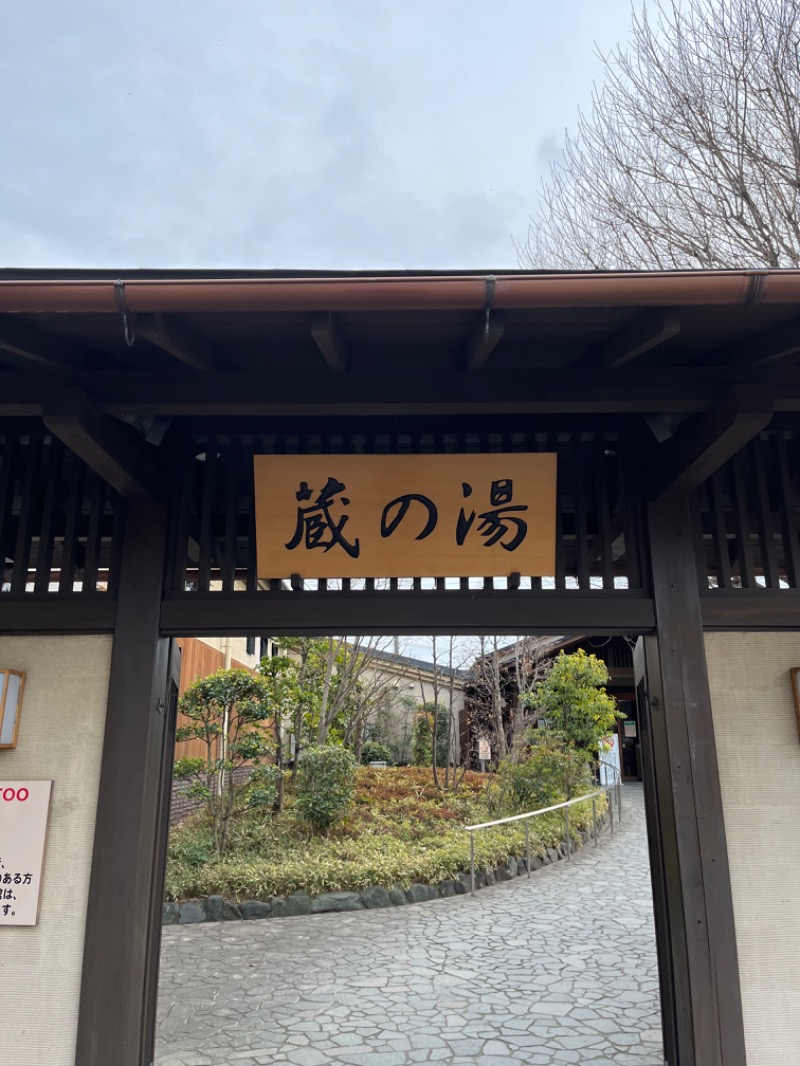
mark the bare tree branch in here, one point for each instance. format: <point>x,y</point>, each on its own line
<point>502,676</point>
<point>689,156</point>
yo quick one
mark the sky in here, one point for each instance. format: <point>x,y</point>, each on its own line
<point>313,134</point>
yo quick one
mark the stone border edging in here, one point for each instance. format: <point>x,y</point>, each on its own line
<point>219,909</point>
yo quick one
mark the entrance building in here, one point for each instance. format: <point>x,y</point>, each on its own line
<point>132,406</point>
<point>514,666</point>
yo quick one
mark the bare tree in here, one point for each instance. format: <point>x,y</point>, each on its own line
<point>448,659</point>
<point>370,695</point>
<point>338,679</point>
<point>531,666</point>
<point>689,156</point>
<point>502,677</point>
<point>488,686</point>
<point>353,679</point>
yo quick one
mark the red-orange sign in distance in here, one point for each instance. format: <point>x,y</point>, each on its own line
<point>334,516</point>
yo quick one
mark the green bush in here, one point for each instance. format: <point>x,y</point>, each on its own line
<point>400,829</point>
<point>371,751</point>
<point>262,790</point>
<point>422,736</point>
<point>545,772</point>
<point>375,858</point>
<point>191,846</point>
<point>573,700</point>
<point>324,783</point>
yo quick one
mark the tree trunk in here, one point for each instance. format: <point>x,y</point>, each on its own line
<point>497,707</point>
<point>435,723</point>
<point>277,806</point>
<point>358,740</point>
<point>324,725</point>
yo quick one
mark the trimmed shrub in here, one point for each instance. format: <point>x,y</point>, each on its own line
<point>371,751</point>
<point>324,783</point>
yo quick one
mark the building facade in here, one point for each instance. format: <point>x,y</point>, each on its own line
<point>676,521</point>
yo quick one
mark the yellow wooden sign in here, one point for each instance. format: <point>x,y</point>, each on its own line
<point>405,515</point>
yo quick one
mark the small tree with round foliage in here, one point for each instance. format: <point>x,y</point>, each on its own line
<point>574,702</point>
<point>228,713</point>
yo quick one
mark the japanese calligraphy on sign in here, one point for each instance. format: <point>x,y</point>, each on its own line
<point>24,809</point>
<point>405,515</point>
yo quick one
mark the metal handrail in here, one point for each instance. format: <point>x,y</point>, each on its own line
<point>611,766</point>
<point>615,786</point>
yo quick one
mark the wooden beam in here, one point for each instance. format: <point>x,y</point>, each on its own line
<point>113,452</point>
<point>668,912</point>
<point>122,923</point>
<point>701,931</point>
<point>159,847</point>
<point>171,334</point>
<point>23,394</point>
<point>760,608</point>
<point>328,338</point>
<point>57,612</point>
<point>400,394</point>
<point>460,612</point>
<point>639,336</point>
<point>704,443</point>
<point>768,347</point>
<point>485,338</point>
<point>288,393</point>
<point>31,346</point>
<point>434,391</point>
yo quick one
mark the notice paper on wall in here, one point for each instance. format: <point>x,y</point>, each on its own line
<point>24,811</point>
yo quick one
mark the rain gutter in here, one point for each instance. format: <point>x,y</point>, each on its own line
<point>401,293</point>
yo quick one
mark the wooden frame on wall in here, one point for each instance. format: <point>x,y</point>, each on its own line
<point>795,674</point>
<point>10,715</point>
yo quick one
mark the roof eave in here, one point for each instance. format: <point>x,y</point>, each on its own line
<point>192,292</point>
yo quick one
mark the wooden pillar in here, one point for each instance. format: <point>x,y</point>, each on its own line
<point>124,914</point>
<point>695,877</point>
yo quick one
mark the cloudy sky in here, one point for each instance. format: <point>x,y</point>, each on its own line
<point>303,134</point>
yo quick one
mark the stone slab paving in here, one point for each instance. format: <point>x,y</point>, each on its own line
<point>553,970</point>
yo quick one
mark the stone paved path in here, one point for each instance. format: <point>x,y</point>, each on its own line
<point>558,969</point>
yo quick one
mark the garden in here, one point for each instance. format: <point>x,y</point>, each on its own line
<point>276,818</point>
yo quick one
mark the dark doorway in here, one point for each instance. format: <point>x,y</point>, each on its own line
<point>628,738</point>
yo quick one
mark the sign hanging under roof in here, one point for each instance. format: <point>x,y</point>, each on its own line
<point>383,516</point>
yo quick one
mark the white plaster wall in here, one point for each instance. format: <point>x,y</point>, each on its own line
<point>238,649</point>
<point>60,738</point>
<point>408,682</point>
<point>759,759</point>
<point>429,691</point>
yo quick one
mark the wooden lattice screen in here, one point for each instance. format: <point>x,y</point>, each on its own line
<point>60,524</point>
<point>598,538</point>
<point>746,518</point>
<point>59,521</point>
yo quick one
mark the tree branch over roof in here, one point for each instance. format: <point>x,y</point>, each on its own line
<point>689,155</point>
